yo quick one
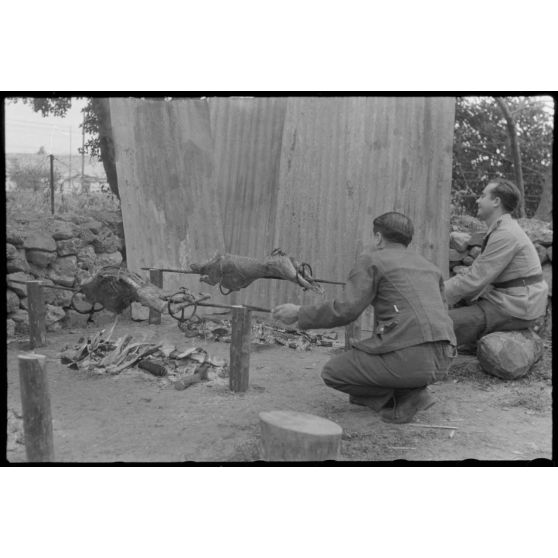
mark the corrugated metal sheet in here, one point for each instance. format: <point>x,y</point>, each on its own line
<point>304,174</point>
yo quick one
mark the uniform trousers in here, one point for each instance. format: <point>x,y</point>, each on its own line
<point>384,375</point>
<point>470,323</point>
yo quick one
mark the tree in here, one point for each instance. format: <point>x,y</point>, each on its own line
<point>516,153</point>
<point>41,150</point>
<point>482,150</point>
<point>96,123</point>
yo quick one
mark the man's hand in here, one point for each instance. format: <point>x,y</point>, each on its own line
<point>286,313</point>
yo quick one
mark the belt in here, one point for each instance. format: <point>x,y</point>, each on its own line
<point>519,282</point>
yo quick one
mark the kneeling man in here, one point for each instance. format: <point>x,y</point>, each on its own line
<point>413,342</point>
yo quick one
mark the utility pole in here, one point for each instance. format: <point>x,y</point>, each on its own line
<point>52,184</point>
<point>82,150</point>
<point>71,189</point>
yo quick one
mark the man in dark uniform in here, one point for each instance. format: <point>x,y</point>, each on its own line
<point>413,342</point>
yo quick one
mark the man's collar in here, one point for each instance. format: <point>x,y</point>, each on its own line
<point>506,217</point>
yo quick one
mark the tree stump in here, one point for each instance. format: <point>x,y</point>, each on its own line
<point>293,436</point>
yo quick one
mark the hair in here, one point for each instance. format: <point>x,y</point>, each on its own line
<point>508,193</point>
<point>394,227</point>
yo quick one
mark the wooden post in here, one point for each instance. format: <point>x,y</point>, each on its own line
<point>35,402</point>
<point>37,311</point>
<point>155,277</point>
<point>293,436</point>
<point>240,349</point>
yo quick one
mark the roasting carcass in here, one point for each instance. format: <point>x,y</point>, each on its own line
<point>116,288</point>
<point>234,272</point>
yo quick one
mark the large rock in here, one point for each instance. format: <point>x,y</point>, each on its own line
<point>64,230</point>
<point>69,247</point>
<point>86,257</point>
<point>475,252</point>
<point>140,313</point>
<point>94,226</point>
<point>21,319</point>
<point>459,240</point>
<point>12,301</point>
<point>468,260</point>
<point>10,327</point>
<point>541,251</point>
<point>547,275</point>
<point>106,242</point>
<point>11,251</point>
<point>509,354</point>
<point>83,276</point>
<point>538,231</point>
<point>18,263</point>
<point>455,256</point>
<point>108,259</point>
<point>86,236</point>
<point>63,271</point>
<point>549,253</point>
<point>53,314</point>
<point>19,288</point>
<point>41,258</point>
<point>40,241</point>
<point>13,236</point>
<point>38,272</point>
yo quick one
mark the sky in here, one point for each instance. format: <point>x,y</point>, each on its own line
<point>27,131</point>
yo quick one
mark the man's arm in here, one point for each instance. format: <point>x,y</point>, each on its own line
<point>360,290</point>
<point>497,255</point>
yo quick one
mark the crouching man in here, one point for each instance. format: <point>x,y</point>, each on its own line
<point>413,342</point>
<point>504,287</point>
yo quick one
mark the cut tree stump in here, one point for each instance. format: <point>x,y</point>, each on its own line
<point>294,436</point>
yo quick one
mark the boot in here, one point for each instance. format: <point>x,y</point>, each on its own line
<point>374,403</point>
<point>408,405</point>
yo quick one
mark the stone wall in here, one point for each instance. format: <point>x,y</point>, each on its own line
<point>64,250</point>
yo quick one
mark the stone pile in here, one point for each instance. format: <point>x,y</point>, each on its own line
<point>64,250</point>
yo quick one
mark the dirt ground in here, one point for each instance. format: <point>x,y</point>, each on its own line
<point>131,417</point>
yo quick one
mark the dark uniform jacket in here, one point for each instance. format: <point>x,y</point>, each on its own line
<point>407,293</point>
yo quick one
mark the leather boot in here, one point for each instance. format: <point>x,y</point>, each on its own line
<point>374,403</point>
<point>408,405</point>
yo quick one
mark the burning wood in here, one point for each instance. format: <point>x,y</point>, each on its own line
<point>237,272</point>
<point>181,368</point>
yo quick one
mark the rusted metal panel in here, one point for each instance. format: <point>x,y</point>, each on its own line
<point>305,174</point>
<point>165,164</point>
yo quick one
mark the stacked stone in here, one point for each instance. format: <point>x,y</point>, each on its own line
<point>64,251</point>
<point>465,248</point>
